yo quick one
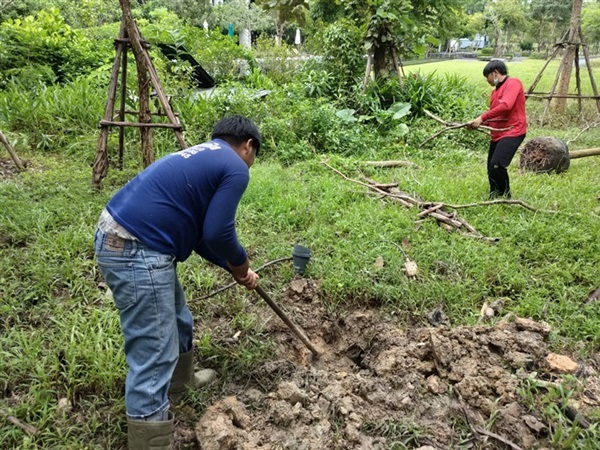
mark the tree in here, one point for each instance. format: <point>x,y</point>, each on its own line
<point>240,14</point>
<point>401,27</point>
<point>285,11</point>
<point>549,16</point>
<point>326,11</point>
<point>80,14</point>
<point>567,62</point>
<point>590,23</point>
<point>504,17</point>
<point>193,12</point>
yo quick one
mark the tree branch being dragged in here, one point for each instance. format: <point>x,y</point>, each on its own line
<point>435,210</point>
<point>455,126</point>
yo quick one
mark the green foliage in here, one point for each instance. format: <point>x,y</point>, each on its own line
<point>281,63</point>
<point>590,22</point>
<point>218,54</point>
<point>194,12</point>
<point>286,11</point>
<point>54,117</point>
<point>45,49</point>
<point>241,15</point>
<point>343,54</point>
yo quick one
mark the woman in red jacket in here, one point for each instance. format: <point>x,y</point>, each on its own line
<point>507,111</point>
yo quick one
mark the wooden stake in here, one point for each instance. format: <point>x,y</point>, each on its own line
<point>588,64</point>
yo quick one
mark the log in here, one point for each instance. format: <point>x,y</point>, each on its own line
<point>584,153</point>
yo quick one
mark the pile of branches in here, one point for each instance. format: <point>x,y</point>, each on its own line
<point>435,210</point>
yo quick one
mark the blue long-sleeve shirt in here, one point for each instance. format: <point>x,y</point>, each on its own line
<point>186,202</point>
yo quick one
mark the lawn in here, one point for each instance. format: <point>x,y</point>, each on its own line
<point>61,362</point>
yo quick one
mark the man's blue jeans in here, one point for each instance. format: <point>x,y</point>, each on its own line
<point>156,322</point>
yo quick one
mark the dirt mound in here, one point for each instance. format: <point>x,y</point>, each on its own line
<point>378,386</point>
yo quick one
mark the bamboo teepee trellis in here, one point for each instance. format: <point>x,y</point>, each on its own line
<point>579,45</point>
<point>129,36</point>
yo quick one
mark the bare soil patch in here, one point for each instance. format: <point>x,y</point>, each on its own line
<point>8,168</point>
<point>378,386</point>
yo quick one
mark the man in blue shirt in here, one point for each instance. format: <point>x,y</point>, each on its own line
<point>182,203</point>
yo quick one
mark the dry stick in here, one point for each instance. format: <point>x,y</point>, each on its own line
<point>404,199</point>
<point>11,152</point>
<point>25,427</point>
<point>495,202</point>
<point>587,127</point>
<point>224,288</point>
<point>480,128</point>
<point>453,126</point>
<point>478,429</point>
<point>497,437</point>
<point>391,164</point>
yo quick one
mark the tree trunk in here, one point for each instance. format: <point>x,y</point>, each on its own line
<point>498,43</point>
<point>378,60</point>
<point>567,63</point>
<point>541,34</point>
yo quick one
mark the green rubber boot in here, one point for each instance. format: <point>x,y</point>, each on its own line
<point>142,435</point>
<point>184,376</point>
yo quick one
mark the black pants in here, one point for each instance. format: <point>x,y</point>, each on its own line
<point>499,157</point>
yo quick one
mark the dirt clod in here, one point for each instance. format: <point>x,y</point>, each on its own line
<point>378,384</point>
<point>561,363</point>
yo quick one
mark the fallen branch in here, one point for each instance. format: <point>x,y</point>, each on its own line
<point>11,152</point>
<point>25,427</point>
<point>583,153</point>
<point>582,131</point>
<point>230,285</point>
<point>444,218</point>
<point>454,126</point>
<point>391,164</point>
<point>594,295</point>
<point>574,416</point>
<point>495,202</point>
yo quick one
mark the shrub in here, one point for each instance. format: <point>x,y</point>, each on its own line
<point>44,49</point>
<point>486,51</point>
<point>538,55</point>
<point>52,115</point>
<point>281,63</point>
<point>343,53</point>
<point>449,95</point>
<point>526,46</point>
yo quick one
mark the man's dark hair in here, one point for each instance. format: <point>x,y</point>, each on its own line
<point>495,64</point>
<point>237,129</point>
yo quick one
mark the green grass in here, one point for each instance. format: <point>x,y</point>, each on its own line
<point>60,341</point>
<point>526,70</point>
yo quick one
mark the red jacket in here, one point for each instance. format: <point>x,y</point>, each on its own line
<point>507,109</point>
